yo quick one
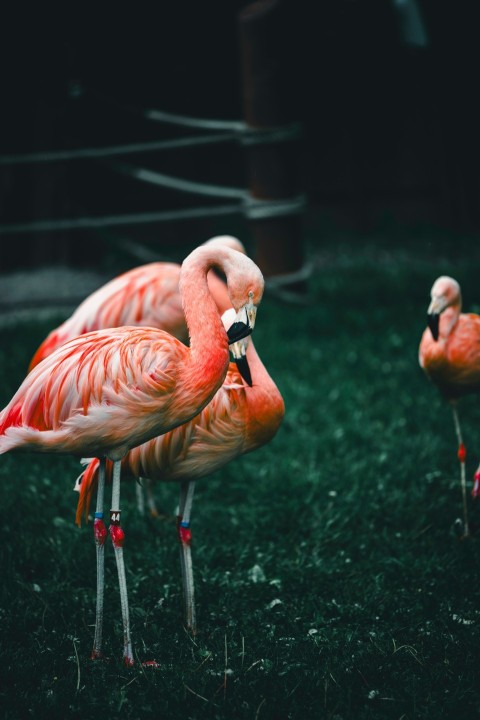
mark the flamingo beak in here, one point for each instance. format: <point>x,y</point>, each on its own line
<point>433,323</point>
<point>243,324</point>
<point>436,307</point>
<point>238,351</point>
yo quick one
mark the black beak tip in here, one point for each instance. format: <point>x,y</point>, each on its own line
<point>433,323</point>
<point>244,369</point>
<point>238,331</point>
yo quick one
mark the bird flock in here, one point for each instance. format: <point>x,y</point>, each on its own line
<point>139,400</point>
<point>155,378</point>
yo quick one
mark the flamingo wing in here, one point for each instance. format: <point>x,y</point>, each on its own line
<point>116,373</point>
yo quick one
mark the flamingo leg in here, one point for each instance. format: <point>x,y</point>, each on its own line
<point>187,489</point>
<point>118,537</point>
<point>100,535</point>
<point>462,454</point>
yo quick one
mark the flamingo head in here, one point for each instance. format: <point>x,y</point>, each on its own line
<point>238,349</point>
<point>445,293</point>
<point>245,286</point>
<point>245,283</point>
<point>244,322</point>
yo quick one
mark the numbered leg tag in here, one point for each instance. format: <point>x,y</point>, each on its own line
<point>115,517</point>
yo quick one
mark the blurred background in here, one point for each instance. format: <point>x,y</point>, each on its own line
<point>384,93</point>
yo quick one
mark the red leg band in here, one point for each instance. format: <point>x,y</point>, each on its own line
<point>99,531</point>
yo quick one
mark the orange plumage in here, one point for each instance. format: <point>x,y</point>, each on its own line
<point>449,354</point>
<point>110,390</point>
<point>453,361</point>
<point>237,420</point>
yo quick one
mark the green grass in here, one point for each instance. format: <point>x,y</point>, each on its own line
<point>366,604</point>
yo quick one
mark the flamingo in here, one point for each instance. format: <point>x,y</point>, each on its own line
<point>105,392</point>
<point>240,418</point>
<point>146,295</point>
<point>449,354</point>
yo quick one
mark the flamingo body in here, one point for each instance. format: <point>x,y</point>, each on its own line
<point>237,420</point>
<point>103,392</point>
<point>453,362</point>
<point>110,390</point>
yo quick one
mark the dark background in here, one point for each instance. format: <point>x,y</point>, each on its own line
<point>390,128</point>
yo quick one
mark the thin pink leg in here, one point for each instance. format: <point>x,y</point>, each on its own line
<point>118,537</point>
<point>462,456</point>
<point>100,534</point>
<point>187,489</point>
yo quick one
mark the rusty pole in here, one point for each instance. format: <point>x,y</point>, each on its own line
<point>272,143</point>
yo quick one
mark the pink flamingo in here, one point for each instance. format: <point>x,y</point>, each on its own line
<point>146,295</point>
<point>239,419</point>
<point>449,354</point>
<point>105,392</point>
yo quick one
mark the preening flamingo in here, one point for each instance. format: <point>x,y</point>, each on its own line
<point>105,392</point>
<point>239,419</point>
<point>146,295</point>
<point>449,354</point>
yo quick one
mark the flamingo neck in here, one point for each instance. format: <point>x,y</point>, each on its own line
<point>265,403</point>
<point>209,354</point>
<point>448,320</point>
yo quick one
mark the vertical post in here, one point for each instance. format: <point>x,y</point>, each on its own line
<point>275,212</point>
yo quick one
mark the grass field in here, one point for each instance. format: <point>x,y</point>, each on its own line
<point>330,581</point>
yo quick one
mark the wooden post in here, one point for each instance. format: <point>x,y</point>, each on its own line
<point>272,146</point>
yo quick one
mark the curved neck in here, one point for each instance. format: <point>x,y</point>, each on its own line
<point>219,292</point>
<point>208,339</point>
<point>448,320</point>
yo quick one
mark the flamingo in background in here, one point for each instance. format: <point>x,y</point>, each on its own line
<point>240,418</point>
<point>146,295</point>
<point>449,354</point>
<point>105,392</point>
